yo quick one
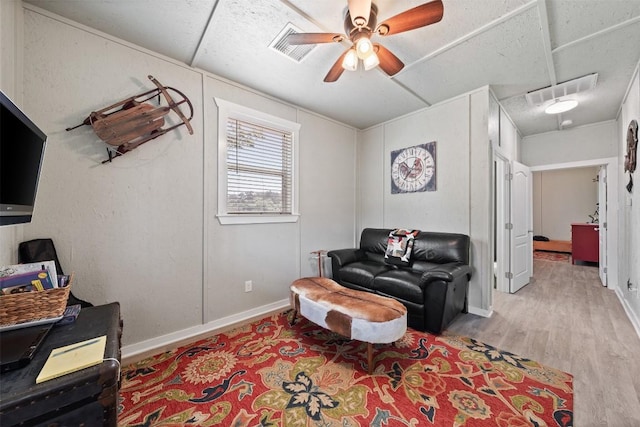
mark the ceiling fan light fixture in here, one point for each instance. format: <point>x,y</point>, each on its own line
<point>558,107</point>
<point>371,61</point>
<point>364,47</point>
<point>350,61</point>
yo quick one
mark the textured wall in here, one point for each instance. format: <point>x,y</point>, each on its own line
<point>629,249</point>
<point>596,141</point>
<point>562,197</point>
<point>142,230</point>
<point>461,202</point>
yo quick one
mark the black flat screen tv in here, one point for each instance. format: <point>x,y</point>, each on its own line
<point>22,146</point>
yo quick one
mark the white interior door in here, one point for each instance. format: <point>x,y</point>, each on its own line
<point>521,225</point>
<point>602,213</point>
<point>502,263</point>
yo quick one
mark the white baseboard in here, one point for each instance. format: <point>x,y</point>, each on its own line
<point>134,352</point>
<point>627,309</point>
<point>480,311</point>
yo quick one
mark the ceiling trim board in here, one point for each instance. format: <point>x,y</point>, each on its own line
<point>543,15</point>
<point>546,40</point>
<point>302,13</point>
<point>427,103</point>
<point>597,34</point>
<point>204,36</point>
<point>636,72</point>
<point>471,35</point>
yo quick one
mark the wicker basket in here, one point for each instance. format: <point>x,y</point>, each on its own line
<point>30,306</point>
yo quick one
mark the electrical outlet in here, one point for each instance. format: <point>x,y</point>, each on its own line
<point>248,286</point>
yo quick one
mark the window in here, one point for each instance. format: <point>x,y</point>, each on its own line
<point>256,164</point>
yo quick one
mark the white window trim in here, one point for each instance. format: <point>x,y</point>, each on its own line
<point>228,109</point>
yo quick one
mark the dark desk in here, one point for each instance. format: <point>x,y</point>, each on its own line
<point>86,397</point>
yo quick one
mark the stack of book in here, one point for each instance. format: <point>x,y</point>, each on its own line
<point>32,277</point>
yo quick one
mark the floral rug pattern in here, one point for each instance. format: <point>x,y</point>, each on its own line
<point>269,373</point>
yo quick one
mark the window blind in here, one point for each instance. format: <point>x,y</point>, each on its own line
<point>259,168</point>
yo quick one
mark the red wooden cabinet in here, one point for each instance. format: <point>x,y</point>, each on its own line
<point>585,242</point>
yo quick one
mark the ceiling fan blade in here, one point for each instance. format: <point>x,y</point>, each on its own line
<point>312,38</point>
<point>419,16</point>
<point>389,63</point>
<point>336,70</point>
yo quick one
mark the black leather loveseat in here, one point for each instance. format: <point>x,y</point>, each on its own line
<point>433,286</point>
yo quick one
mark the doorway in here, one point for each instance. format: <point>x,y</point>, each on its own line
<point>503,245</point>
<point>513,261</point>
<point>605,178</point>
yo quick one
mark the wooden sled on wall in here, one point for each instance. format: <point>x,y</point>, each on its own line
<point>131,122</point>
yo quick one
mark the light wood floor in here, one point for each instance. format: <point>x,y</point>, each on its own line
<point>566,319</point>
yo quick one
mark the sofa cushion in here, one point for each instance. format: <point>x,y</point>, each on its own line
<point>441,248</point>
<point>362,272</point>
<point>402,283</point>
<point>374,240</point>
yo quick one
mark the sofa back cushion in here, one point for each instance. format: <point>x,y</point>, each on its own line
<point>428,247</point>
<point>373,242</point>
<point>441,248</point>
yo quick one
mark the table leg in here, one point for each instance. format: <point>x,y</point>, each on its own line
<point>370,357</point>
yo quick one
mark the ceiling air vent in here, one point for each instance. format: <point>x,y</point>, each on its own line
<point>294,52</point>
<point>571,87</point>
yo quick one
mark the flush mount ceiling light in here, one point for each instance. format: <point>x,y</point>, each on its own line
<point>558,107</point>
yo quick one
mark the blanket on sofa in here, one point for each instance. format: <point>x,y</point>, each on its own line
<point>400,246</point>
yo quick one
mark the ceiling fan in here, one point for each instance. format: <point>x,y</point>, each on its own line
<point>360,25</point>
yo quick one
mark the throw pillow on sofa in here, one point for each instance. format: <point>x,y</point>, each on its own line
<point>400,246</point>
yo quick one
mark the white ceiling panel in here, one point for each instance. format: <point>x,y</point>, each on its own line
<point>509,55</point>
<point>170,27</point>
<point>531,120</point>
<point>612,55</point>
<point>461,17</point>
<point>573,20</point>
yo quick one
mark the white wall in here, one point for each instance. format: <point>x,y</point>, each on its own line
<point>595,141</point>
<point>629,215</point>
<point>562,197</point>
<point>142,230</point>
<point>461,202</point>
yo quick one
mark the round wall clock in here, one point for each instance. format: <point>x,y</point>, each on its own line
<point>413,169</point>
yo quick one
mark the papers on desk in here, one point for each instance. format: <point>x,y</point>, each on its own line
<point>71,358</point>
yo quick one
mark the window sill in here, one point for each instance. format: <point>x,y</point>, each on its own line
<point>256,219</point>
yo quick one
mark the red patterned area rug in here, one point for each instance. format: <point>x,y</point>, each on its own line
<point>271,374</point>
<point>552,256</point>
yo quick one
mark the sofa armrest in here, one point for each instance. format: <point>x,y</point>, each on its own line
<point>342,257</point>
<point>447,272</point>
